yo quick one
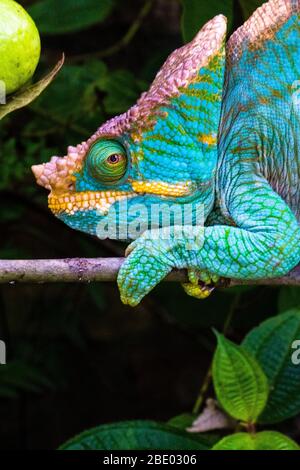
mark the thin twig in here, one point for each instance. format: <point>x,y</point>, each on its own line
<point>104,269</point>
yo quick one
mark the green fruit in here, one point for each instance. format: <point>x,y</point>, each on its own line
<point>20,45</point>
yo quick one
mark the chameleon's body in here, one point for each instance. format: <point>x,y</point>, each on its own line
<point>220,126</point>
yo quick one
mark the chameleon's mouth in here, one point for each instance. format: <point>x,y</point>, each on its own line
<point>72,202</point>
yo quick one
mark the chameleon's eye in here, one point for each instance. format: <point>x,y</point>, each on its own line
<point>107,161</point>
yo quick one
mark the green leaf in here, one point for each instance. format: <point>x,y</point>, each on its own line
<point>185,420</point>
<point>265,440</point>
<point>182,421</point>
<point>135,435</point>
<point>249,6</point>
<point>240,384</point>
<point>197,12</point>
<point>56,17</point>
<point>271,344</point>
<point>289,297</point>
<point>27,95</point>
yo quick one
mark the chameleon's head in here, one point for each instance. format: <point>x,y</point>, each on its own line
<point>163,149</point>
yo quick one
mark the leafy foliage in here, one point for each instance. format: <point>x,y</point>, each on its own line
<point>122,89</point>
<point>182,421</point>
<point>240,384</point>
<point>271,344</point>
<point>135,435</point>
<point>72,101</point>
<point>265,440</point>
<point>56,17</point>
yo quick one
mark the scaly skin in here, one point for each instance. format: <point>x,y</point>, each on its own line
<point>231,145</point>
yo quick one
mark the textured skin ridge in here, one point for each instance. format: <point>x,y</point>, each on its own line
<point>179,70</point>
<point>261,26</point>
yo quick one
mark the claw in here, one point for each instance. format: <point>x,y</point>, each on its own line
<point>129,249</point>
<point>197,291</point>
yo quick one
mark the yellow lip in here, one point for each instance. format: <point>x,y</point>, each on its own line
<point>70,203</point>
<point>161,188</point>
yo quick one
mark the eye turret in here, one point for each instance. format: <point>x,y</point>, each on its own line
<point>107,161</point>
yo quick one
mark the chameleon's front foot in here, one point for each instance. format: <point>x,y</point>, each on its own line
<point>149,259</point>
<point>148,262</point>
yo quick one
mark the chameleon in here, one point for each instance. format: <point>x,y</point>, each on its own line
<point>219,129</point>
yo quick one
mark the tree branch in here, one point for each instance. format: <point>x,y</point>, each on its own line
<point>103,269</point>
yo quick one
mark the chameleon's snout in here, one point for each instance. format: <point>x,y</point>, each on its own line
<point>55,175</point>
<point>37,170</point>
<point>58,173</point>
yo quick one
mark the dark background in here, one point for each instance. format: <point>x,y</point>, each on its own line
<point>76,356</point>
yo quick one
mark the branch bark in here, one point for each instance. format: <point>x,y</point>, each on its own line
<point>103,269</point>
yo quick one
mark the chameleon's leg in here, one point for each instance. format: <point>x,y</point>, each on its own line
<point>265,243</point>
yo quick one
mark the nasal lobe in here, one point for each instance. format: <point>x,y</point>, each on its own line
<point>37,171</point>
<point>56,175</point>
